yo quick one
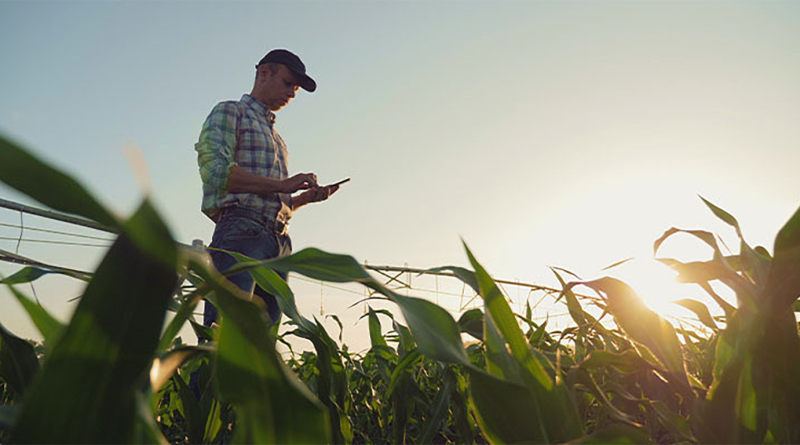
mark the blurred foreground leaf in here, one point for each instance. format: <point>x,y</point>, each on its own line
<point>272,405</point>
<point>89,386</point>
<point>18,362</point>
<point>27,174</point>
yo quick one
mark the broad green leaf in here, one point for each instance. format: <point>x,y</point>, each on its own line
<point>375,334</point>
<point>182,315</point>
<point>436,333</point>
<point>626,362</point>
<point>717,269</point>
<point>581,376</point>
<point>164,367</point>
<point>783,285</point>
<point>505,411</point>
<point>642,324</point>
<point>193,412</point>
<point>726,307</point>
<point>48,326</point>
<point>755,265</point>
<point>471,322</point>
<point>439,408</point>
<point>465,275</point>
<point>18,362</point>
<point>695,271</point>
<point>574,307</point>
<point>557,408</point>
<point>702,235</point>
<point>723,215</point>
<point>320,265</point>
<point>29,274</point>
<point>753,262</point>
<point>407,345</point>
<point>465,433</point>
<point>700,310</point>
<point>673,421</point>
<point>499,362</point>
<point>332,387</point>
<point>24,172</point>
<point>332,382</point>
<point>539,334</point>
<point>272,405</point>
<point>400,369</point>
<point>89,385</point>
<point>502,316</point>
<point>203,333</point>
<point>730,413</point>
<point>338,322</point>
<point>270,281</point>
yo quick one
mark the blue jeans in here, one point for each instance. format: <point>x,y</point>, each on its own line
<point>238,232</point>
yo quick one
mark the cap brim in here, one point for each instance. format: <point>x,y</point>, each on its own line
<point>307,83</point>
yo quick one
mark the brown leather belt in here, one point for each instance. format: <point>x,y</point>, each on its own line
<point>279,227</point>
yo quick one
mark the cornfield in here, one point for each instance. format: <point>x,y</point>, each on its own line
<point>117,374</point>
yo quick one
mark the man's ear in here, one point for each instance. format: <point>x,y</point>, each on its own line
<point>262,72</point>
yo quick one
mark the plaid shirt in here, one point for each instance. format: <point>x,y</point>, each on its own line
<point>241,133</point>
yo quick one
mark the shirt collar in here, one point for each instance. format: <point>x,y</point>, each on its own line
<point>259,106</point>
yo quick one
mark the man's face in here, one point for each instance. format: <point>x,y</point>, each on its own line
<point>279,88</point>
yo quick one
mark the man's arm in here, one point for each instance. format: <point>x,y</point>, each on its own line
<point>218,169</point>
<point>242,181</point>
<point>215,151</point>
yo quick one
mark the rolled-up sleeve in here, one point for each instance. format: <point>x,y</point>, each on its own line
<point>215,150</point>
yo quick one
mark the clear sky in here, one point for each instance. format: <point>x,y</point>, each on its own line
<point>567,133</point>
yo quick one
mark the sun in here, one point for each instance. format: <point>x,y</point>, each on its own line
<point>658,287</point>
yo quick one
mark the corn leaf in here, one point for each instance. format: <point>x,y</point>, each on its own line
<point>700,310</point>
<point>557,408</point>
<point>506,412</point>
<point>88,388</point>
<point>24,172</point>
<point>48,326</point>
<point>18,362</point>
<point>626,362</point>
<point>30,274</point>
<point>165,366</point>
<point>783,286</point>
<point>471,322</point>
<point>643,325</point>
<point>272,405</point>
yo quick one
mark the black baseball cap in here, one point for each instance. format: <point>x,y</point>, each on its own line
<point>291,61</point>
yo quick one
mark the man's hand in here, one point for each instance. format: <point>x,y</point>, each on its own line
<point>315,194</point>
<point>242,181</point>
<point>300,181</point>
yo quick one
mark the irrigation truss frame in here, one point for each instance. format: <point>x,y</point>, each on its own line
<point>397,277</point>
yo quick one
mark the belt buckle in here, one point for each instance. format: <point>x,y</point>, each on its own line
<point>281,228</point>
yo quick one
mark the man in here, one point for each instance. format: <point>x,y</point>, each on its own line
<point>247,190</point>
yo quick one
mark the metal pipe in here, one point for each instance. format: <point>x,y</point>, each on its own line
<point>450,274</point>
<point>55,215</point>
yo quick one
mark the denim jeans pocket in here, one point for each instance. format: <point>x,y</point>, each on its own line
<point>237,227</point>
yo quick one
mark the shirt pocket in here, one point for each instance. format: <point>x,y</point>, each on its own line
<point>256,151</point>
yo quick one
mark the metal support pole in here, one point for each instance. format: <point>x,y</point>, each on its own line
<point>55,215</point>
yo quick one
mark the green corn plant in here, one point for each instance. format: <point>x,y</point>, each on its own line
<point>90,387</point>
<point>736,386</point>
<point>643,381</point>
<point>755,396</point>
